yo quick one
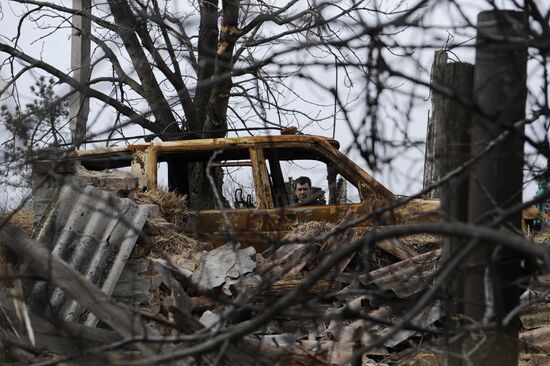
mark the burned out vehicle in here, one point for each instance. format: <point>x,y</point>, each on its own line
<point>256,191</point>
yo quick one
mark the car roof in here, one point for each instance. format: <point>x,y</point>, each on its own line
<point>209,143</point>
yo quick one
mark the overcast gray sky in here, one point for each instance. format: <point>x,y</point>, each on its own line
<point>403,176</point>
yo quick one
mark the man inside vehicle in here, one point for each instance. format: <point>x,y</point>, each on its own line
<point>305,195</point>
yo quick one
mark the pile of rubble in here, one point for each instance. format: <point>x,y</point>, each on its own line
<point>131,265</point>
<point>132,281</point>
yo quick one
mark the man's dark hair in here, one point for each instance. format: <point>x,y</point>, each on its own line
<point>303,180</point>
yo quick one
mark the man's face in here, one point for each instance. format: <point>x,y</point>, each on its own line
<point>302,191</point>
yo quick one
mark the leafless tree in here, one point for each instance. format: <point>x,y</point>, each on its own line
<point>174,74</point>
<point>213,66</point>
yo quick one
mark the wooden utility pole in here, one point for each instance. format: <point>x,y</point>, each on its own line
<point>79,103</point>
<point>452,88</point>
<point>490,290</point>
<point>453,107</point>
<point>430,172</point>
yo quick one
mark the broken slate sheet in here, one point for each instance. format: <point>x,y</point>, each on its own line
<point>224,266</point>
<point>93,231</point>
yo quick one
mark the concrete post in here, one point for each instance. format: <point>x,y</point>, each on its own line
<point>79,104</point>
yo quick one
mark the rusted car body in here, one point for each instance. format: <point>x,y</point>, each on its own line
<point>273,213</point>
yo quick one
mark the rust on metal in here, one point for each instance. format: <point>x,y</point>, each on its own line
<point>151,167</point>
<point>267,221</point>
<point>261,179</point>
<point>137,169</point>
<point>417,210</point>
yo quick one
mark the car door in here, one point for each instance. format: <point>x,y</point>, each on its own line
<point>246,195</point>
<point>342,185</point>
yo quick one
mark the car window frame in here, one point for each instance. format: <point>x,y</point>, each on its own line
<point>338,161</point>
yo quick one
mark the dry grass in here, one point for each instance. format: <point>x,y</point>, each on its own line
<point>173,207</point>
<point>311,231</point>
<point>171,245</point>
<point>176,243</point>
<point>23,219</point>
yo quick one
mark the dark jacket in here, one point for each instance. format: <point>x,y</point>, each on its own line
<point>312,200</point>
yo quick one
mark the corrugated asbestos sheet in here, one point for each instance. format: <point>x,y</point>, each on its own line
<point>407,277</point>
<point>92,230</point>
<point>429,315</point>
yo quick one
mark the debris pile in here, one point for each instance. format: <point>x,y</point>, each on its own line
<point>318,296</point>
<point>535,318</point>
<point>232,285</point>
<point>172,207</point>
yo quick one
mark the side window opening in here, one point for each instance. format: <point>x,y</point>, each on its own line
<point>231,169</point>
<point>109,163</point>
<point>238,184</point>
<point>280,189</point>
<point>162,175</point>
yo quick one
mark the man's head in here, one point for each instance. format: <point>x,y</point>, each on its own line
<point>302,188</point>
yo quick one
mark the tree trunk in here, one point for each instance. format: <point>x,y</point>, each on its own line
<point>209,117</point>
<point>216,119</point>
<point>208,40</point>
<point>165,123</point>
<point>215,82</point>
<point>201,194</point>
<point>191,179</point>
